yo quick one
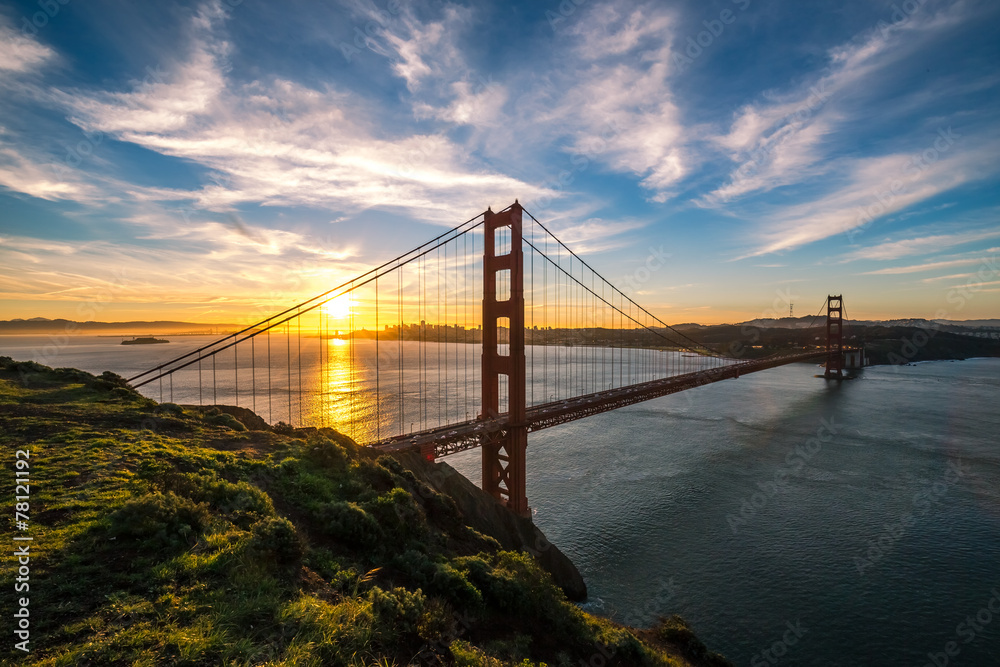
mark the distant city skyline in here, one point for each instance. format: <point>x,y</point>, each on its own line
<point>204,161</point>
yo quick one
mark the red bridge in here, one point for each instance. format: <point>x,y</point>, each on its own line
<point>463,353</point>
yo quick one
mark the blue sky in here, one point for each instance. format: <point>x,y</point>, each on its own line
<point>197,160</point>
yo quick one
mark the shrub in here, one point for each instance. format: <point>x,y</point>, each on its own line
<point>398,515</point>
<point>283,428</point>
<point>227,420</point>
<point>277,537</point>
<point>674,630</point>
<point>242,503</point>
<point>438,578</point>
<point>397,609</point>
<point>160,520</point>
<point>349,523</point>
<point>325,453</point>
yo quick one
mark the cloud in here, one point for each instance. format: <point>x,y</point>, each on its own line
<point>920,246</point>
<point>866,189</point>
<point>784,138</point>
<point>600,92</point>
<point>20,53</point>
<point>279,142</point>
<point>52,181</point>
<point>619,103</point>
<point>929,266</point>
<point>178,270</point>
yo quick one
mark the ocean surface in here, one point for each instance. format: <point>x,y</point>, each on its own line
<point>790,520</point>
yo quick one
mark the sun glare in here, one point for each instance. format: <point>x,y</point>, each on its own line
<point>338,308</point>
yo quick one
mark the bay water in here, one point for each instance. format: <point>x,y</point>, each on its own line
<point>791,520</point>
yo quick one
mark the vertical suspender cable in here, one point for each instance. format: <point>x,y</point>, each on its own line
<point>270,412</point>
<point>298,333</point>
<point>288,366</point>
<point>378,364</point>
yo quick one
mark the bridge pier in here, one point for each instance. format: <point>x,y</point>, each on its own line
<point>504,452</point>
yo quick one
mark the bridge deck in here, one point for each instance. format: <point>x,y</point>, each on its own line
<point>444,440</point>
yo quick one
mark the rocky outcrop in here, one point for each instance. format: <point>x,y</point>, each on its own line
<point>486,515</point>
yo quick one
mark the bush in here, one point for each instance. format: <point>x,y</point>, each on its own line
<point>160,520</point>
<point>397,609</point>
<point>398,515</point>
<point>438,578</point>
<point>326,454</point>
<point>242,503</point>
<point>674,630</point>
<point>227,420</point>
<point>349,523</point>
<point>283,428</point>
<point>277,537</point>
<point>109,381</point>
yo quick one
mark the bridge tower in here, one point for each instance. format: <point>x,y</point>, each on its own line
<point>504,451</point>
<point>834,337</point>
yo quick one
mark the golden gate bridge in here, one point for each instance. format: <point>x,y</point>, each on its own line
<point>482,335</point>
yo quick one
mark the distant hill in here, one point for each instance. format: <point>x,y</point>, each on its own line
<point>41,325</point>
<point>884,344</point>
<point>807,321</point>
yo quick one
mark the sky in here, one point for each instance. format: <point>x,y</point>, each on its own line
<point>200,160</point>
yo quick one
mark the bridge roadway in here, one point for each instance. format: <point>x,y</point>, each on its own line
<point>458,437</point>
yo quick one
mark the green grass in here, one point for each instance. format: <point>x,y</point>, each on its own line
<point>172,536</point>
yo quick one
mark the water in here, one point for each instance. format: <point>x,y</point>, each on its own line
<point>641,500</point>
<point>312,381</point>
<point>855,542</point>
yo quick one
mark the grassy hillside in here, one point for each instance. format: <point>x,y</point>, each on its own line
<point>883,345</point>
<point>164,535</point>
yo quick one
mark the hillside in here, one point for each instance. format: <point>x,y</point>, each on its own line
<point>177,536</point>
<point>883,345</point>
<point>41,325</point>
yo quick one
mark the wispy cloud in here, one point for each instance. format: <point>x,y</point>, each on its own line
<point>929,266</point>
<point>864,181</point>
<point>621,106</point>
<point>282,143</point>
<point>920,246</point>
<point>780,140</point>
<point>19,52</point>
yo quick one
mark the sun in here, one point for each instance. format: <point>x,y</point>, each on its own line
<point>338,308</point>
